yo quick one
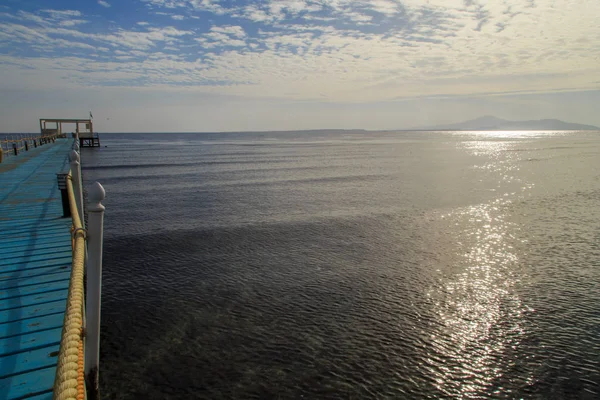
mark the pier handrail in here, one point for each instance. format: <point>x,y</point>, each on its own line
<point>22,143</point>
<point>78,359</point>
<point>69,382</point>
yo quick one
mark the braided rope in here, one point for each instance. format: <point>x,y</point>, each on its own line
<point>69,379</point>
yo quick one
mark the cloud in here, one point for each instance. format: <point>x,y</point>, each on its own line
<point>72,22</point>
<point>292,7</point>
<point>178,17</point>
<point>27,16</point>
<point>236,31</point>
<point>103,3</point>
<point>197,5</point>
<point>255,14</point>
<point>166,3</point>
<point>62,14</point>
<point>223,36</point>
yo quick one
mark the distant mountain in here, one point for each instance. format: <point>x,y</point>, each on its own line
<point>489,123</point>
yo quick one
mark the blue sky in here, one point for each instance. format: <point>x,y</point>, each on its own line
<point>208,65</point>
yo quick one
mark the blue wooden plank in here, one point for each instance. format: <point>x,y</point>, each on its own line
<point>14,283</point>
<point>23,264</point>
<point>41,228</point>
<point>6,224</point>
<point>35,235</point>
<point>28,312</point>
<point>27,361</point>
<point>30,218</point>
<point>40,199</point>
<point>33,251</point>
<point>18,251</point>
<point>30,300</point>
<point>33,289</point>
<point>31,325</point>
<point>34,238</point>
<point>45,396</point>
<point>34,245</point>
<point>41,231</point>
<point>28,224</point>
<point>33,201</point>
<point>40,257</point>
<point>28,384</point>
<point>42,225</point>
<point>32,273</point>
<point>30,341</point>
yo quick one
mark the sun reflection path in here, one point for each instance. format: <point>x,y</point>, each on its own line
<point>479,314</point>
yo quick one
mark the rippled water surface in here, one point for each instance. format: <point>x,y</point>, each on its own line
<point>350,265</point>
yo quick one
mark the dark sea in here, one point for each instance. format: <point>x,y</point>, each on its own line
<point>350,265</point>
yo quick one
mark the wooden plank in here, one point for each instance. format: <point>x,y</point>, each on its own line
<point>35,311</point>
<point>15,283</point>
<point>25,249</point>
<point>30,341</point>
<point>28,274</point>
<point>33,289</point>
<point>30,300</point>
<point>28,384</point>
<point>48,260</point>
<point>24,225</point>
<point>26,326</point>
<point>31,239</point>
<point>45,396</point>
<point>19,251</point>
<point>39,231</point>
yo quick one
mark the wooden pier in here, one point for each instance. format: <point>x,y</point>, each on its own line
<point>39,256</point>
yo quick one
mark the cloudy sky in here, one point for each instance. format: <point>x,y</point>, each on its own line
<point>210,65</point>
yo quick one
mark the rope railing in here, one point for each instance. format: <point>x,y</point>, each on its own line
<point>69,382</point>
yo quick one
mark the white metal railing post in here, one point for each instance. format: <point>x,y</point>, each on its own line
<point>76,176</point>
<point>95,233</point>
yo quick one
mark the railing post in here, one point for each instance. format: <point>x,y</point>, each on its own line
<point>93,296</point>
<point>76,176</point>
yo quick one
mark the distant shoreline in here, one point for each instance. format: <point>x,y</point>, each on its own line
<point>341,131</point>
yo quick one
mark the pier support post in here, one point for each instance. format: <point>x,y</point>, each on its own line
<point>76,176</point>
<point>93,296</point>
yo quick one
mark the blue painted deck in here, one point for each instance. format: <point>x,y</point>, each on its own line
<point>35,264</point>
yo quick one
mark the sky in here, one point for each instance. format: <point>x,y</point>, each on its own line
<point>227,65</point>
